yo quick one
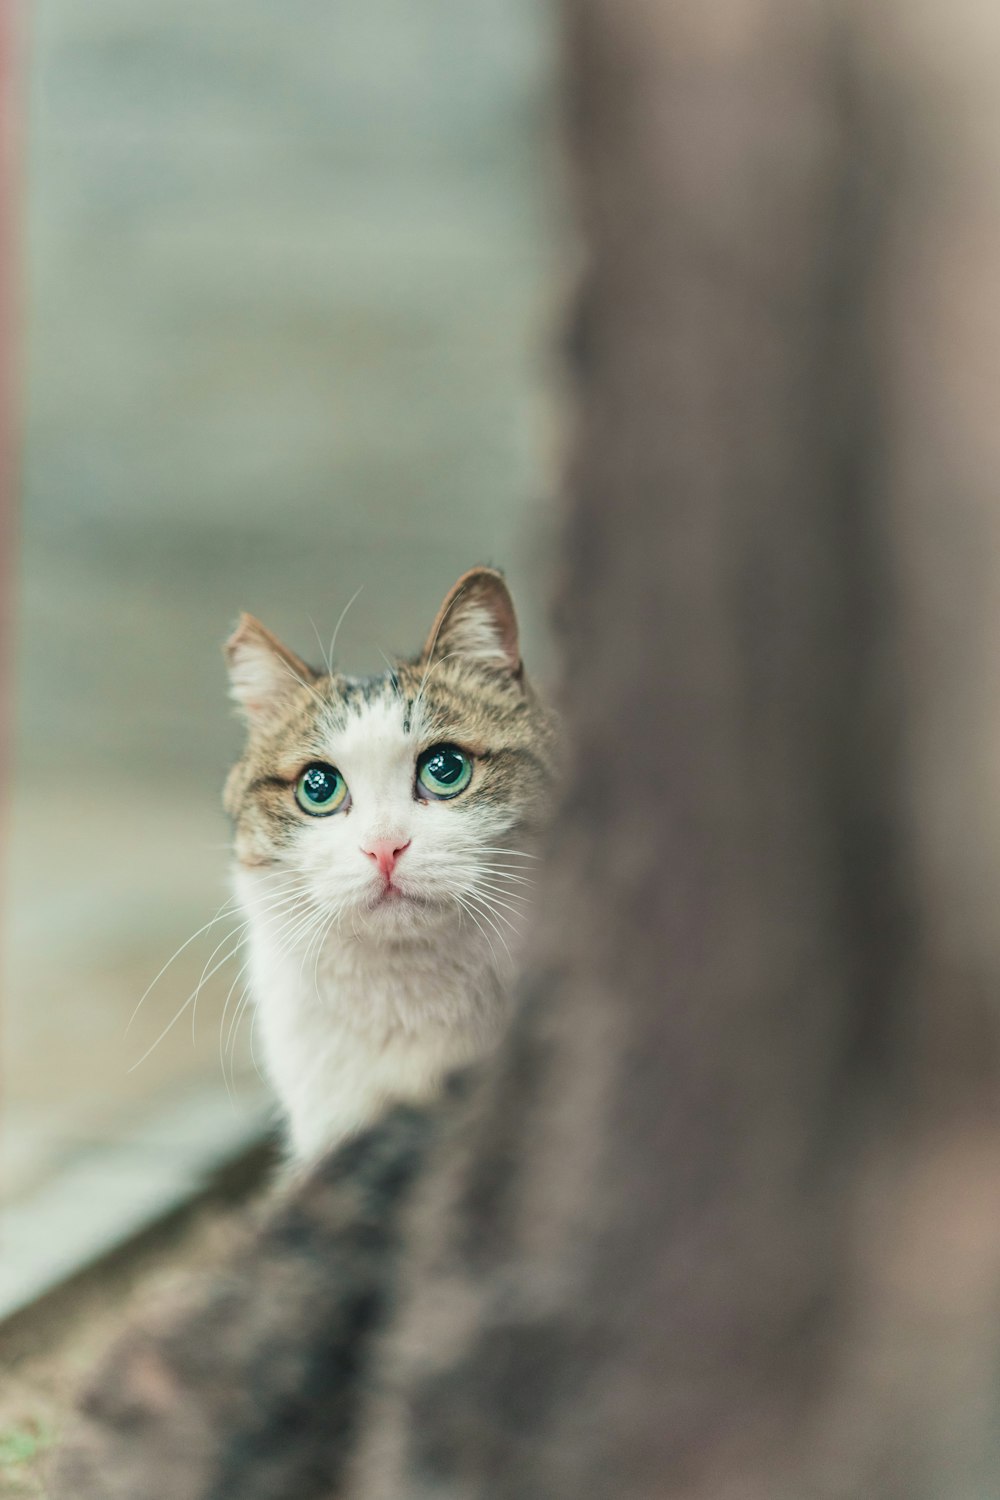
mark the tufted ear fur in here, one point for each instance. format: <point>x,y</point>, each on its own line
<point>263,674</point>
<point>477,621</point>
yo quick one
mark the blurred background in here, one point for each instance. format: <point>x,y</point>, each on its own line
<point>289,282</point>
<point>288,278</point>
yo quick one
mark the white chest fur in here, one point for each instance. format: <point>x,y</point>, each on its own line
<point>364,1022</point>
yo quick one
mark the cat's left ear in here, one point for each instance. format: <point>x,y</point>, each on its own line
<point>477,621</point>
<point>264,676</point>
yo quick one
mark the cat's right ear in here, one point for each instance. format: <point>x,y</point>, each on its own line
<point>263,674</point>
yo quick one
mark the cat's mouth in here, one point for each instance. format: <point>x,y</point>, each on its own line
<point>392,895</point>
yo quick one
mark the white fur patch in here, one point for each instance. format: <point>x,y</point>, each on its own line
<point>361,1001</point>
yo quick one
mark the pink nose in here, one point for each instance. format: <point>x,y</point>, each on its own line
<point>385,853</point>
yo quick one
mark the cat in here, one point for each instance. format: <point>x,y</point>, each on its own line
<point>382,847</point>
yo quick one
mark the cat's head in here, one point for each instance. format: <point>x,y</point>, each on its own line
<point>392,802</point>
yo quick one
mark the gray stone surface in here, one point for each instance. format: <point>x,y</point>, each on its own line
<point>291,279</point>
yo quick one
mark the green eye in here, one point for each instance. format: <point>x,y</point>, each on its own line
<point>320,790</point>
<point>444,770</point>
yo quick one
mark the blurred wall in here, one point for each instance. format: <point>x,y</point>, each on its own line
<point>286,268</point>
<point>290,279</point>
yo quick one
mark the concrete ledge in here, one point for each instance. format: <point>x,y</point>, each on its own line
<point>117,1192</point>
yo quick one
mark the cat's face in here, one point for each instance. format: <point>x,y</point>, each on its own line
<point>389,804</point>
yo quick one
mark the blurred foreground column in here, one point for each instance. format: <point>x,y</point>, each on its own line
<point>693,1243</point>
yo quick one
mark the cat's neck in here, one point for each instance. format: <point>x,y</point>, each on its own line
<point>350,1022</point>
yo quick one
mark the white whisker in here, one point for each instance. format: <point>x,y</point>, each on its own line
<point>393,676</point>
<point>466,908</point>
<point>340,621</point>
<point>227,909</point>
<point>322,649</point>
<point>241,929</point>
<point>233,1031</point>
<point>498,849</point>
<point>424,680</point>
<point>222,1021</point>
<point>253,1055</point>
<point>309,687</point>
<point>491,899</point>
<point>481,907</point>
<point>494,870</point>
<point>319,949</point>
<point>189,1001</point>
<point>522,889</point>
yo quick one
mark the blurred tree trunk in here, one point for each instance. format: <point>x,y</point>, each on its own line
<point>696,1239</point>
